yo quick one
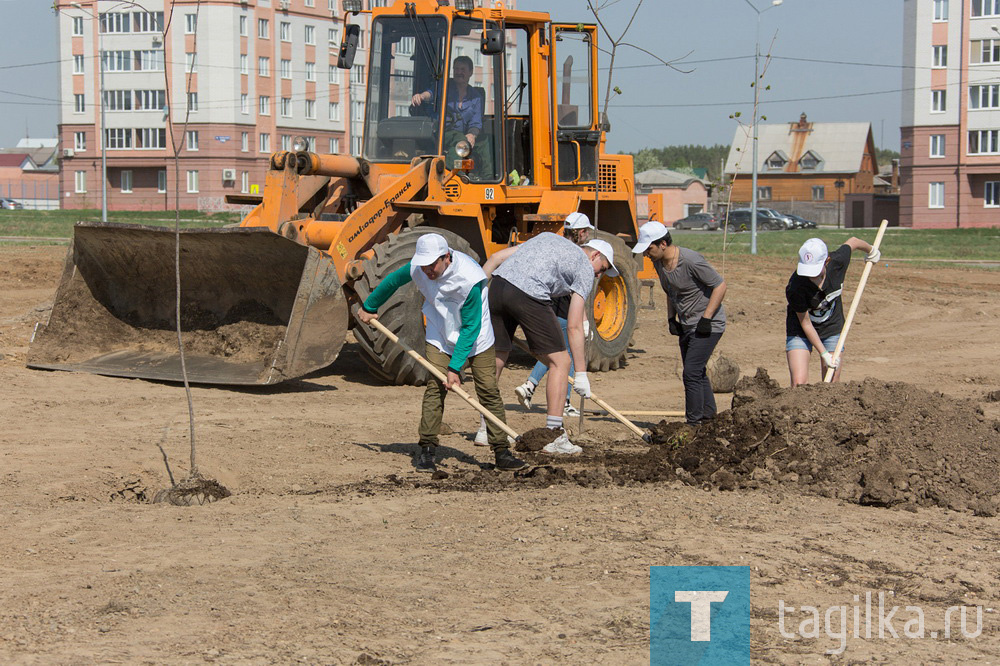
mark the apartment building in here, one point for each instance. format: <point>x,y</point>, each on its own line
<point>950,167</point>
<point>223,84</point>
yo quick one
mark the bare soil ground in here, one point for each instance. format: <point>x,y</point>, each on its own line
<point>331,548</point>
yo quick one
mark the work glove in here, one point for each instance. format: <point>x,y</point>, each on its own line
<point>586,329</point>
<point>873,256</point>
<point>674,326</point>
<point>581,384</point>
<point>828,360</point>
<point>704,327</point>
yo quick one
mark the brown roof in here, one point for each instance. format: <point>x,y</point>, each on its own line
<point>12,159</point>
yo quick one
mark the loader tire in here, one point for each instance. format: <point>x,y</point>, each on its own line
<point>613,310</point>
<point>401,314</point>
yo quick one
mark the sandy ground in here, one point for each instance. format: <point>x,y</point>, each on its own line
<point>321,556</point>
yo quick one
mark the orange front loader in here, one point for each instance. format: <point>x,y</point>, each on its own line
<point>269,300</point>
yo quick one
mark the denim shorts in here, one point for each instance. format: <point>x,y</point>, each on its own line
<point>800,342</point>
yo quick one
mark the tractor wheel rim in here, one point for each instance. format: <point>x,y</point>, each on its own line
<point>610,307</point>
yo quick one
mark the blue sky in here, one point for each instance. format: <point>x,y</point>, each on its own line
<point>835,60</point>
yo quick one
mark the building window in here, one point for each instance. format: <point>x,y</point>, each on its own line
<point>334,146</point>
<point>117,138</point>
<point>984,97</point>
<point>937,145</point>
<point>333,36</point>
<point>116,61</point>
<point>263,66</point>
<point>358,74</point>
<point>245,141</point>
<point>940,56</point>
<point>310,71</point>
<point>310,3</point>
<point>244,28</point>
<point>985,8</point>
<point>310,35</point>
<point>285,31</point>
<point>244,181</point>
<point>286,108</point>
<point>991,194</point>
<point>244,63</point>
<point>192,140</point>
<point>357,110</point>
<point>334,75</point>
<point>80,181</point>
<point>126,181</point>
<point>79,141</point>
<point>775,161</point>
<point>936,196</point>
<point>77,26</point>
<point>938,103</point>
<point>161,181</point>
<point>984,50</point>
<point>245,103</point>
<point>311,109</point>
<point>265,105</point>
<point>78,64</point>
<point>356,146</point>
<point>150,100</point>
<point>334,112</point>
<point>311,144</point>
<point>148,21</point>
<point>286,69</point>
<point>151,137</point>
<point>192,177</point>
<point>190,24</point>
<point>809,161</point>
<point>79,104</point>
<point>113,22</point>
<point>265,143</point>
<point>190,62</point>
<point>118,100</point>
<point>286,142</point>
<point>763,192</point>
<point>819,193</point>
<point>940,10</point>
<point>984,142</point>
<point>192,101</point>
<point>263,28</point>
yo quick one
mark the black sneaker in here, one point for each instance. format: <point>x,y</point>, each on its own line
<point>507,461</point>
<point>425,460</point>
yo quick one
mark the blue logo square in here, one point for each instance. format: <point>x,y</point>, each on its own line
<point>699,615</point>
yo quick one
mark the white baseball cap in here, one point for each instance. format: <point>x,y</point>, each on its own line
<point>578,221</point>
<point>650,233</point>
<point>429,248</point>
<point>812,258</point>
<point>604,247</point>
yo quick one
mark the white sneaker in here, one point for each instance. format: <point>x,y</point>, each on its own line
<point>524,392</point>
<point>483,438</point>
<point>562,445</point>
<point>569,411</point>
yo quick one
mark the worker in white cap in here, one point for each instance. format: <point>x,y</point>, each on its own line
<point>815,313</point>
<point>526,279</point>
<point>694,312</point>
<point>578,229</point>
<point>459,330</point>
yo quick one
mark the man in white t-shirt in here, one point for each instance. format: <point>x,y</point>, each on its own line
<point>456,307</point>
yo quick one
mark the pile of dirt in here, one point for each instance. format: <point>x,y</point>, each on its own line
<point>872,442</point>
<point>537,439</point>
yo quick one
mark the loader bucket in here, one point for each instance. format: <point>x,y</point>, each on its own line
<point>256,308</point>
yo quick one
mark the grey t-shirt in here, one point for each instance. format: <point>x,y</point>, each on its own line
<point>689,287</point>
<point>547,267</point>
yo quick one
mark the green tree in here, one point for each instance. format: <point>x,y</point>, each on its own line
<point>646,159</point>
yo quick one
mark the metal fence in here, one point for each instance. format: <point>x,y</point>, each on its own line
<point>33,196</point>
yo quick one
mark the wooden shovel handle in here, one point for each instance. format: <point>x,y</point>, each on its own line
<point>854,303</point>
<point>375,323</point>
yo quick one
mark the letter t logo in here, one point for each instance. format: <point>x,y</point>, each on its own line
<point>701,610</point>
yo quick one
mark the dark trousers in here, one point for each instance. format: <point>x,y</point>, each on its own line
<point>699,402</point>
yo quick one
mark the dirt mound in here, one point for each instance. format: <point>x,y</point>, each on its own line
<point>873,442</point>
<point>537,438</point>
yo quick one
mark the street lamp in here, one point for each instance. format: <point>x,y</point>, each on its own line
<point>101,136</point>
<point>756,97</point>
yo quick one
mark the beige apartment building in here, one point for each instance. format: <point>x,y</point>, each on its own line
<point>224,82</point>
<point>950,167</point>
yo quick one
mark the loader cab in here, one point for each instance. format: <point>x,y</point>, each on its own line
<point>431,89</point>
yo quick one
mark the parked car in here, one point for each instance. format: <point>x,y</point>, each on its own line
<point>706,221</point>
<point>783,219</point>
<point>739,220</point>
<point>741,216</point>
<point>10,204</point>
<point>801,222</point>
